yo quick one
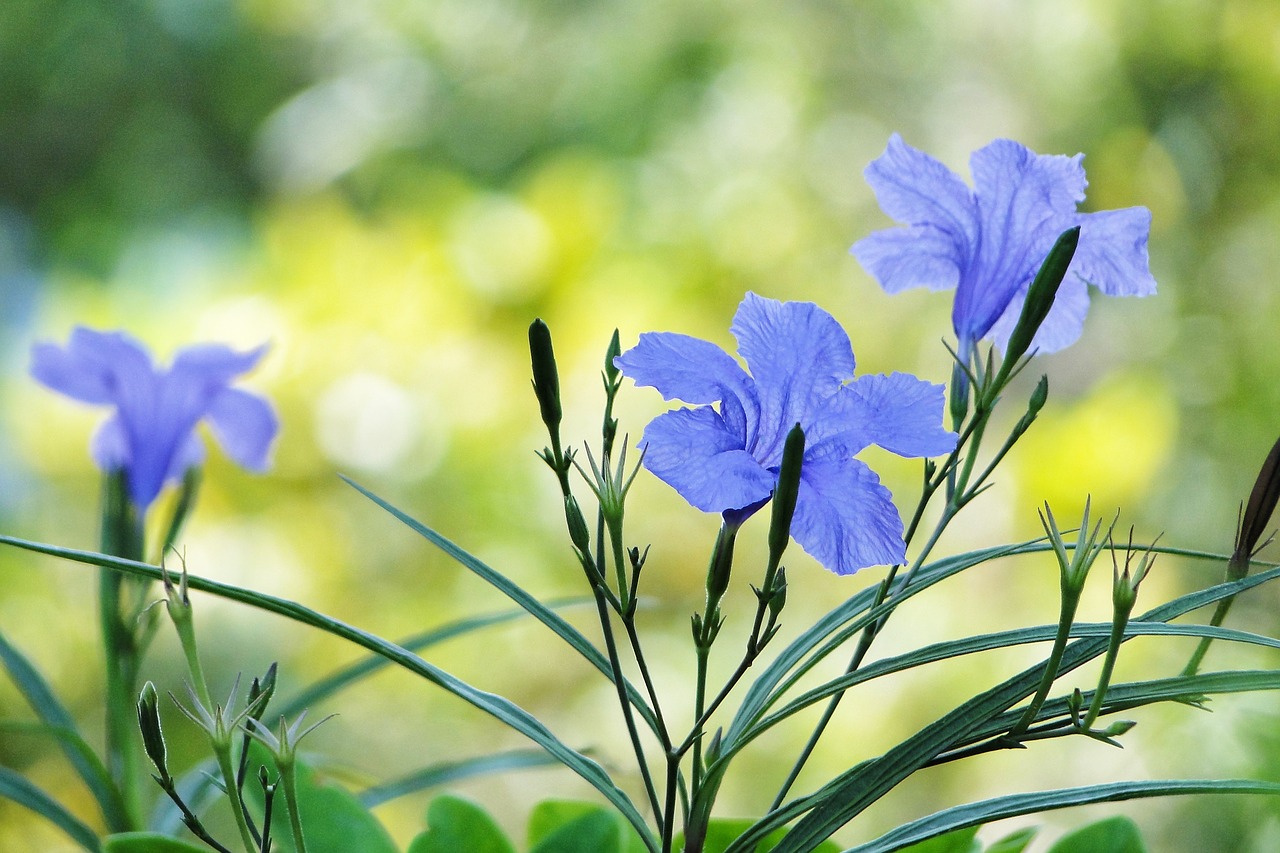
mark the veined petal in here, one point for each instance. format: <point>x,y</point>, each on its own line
<point>1061,326</point>
<point>916,189</point>
<point>917,256</point>
<point>845,519</point>
<point>245,425</point>
<point>1025,201</point>
<point>694,452</point>
<point>798,355</point>
<point>898,412</point>
<point>683,368</point>
<point>1112,254</point>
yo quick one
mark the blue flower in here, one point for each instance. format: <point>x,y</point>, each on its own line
<point>988,242</point>
<point>151,435</point>
<point>727,459</point>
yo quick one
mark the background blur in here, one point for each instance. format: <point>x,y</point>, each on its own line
<point>390,191</point>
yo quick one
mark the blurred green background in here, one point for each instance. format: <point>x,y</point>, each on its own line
<point>390,191</point>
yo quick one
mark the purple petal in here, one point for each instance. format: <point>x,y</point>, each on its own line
<point>1025,201</point>
<point>683,368</point>
<point>245,425</point>
<point>798,355</point>
<point>93,366</point>
<point>845,519</point>
<point>214,363</point>
<point>1061,327</point>
<point>189,454</point>
<point>1112,254</point>
<point>902,258</point>
<point>916,189</point>
<point>898,412</point>
<point>694,452</point>
<point>109,446</point>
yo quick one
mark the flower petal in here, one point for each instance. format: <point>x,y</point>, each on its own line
<point>916,189</point>
<point>214,363</point>
<point>1025,200</point>
<point>1061,326</point>
<point>798,355</point>
<point>898,412</point>
<point>694,452</point>
<point>1112,254</point>
<point>683,368</point>
<point>845,519</point>
<point>93,367</point>
<point>245,425</point>
<point>902,258</point>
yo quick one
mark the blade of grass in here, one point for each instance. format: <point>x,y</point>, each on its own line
<point>454,771</point>
<point>40,696</point>
<point>496,706</point>
<point>19,789</point>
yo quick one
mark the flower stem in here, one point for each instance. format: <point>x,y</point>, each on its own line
<point>288,778</point>
<point>222,751</point>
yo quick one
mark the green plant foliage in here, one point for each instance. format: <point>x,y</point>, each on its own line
<point>1014,842</point>
<point>564,825</point>
<point>1113,835</point>
<point>722,832</point>
<point>960,841</point>
<point>147,842</point>
<point>457,824</point>
<point>332,818</point>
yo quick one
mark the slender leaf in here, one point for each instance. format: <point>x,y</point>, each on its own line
<point>499,707</point>
<point>957,841</point>
<point>1014,842</point>
<point>998,808</point>
<point>987,642</point>
<point>16,787</point>
<point>347,675</point>
<point>147,842</point>
<point>50,710</point>
<point>1116,834</point>
<point>455,771</point>
<point>455,824</point>
<point>529,603</point>
<point>848,794</point>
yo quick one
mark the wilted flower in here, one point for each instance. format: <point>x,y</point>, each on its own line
<point>727,459</point>
<point>151,434</point>
<point>988,242</point>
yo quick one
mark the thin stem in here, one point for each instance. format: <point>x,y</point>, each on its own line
<point>222,750</point>
<point>287,777</point>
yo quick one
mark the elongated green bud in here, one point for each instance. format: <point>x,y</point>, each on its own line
<point>546,380</point>
<point>149,724</point>
<point>578,532</point>
<point>1040,296</point>
<point>721,565</point>
<point>784,496</point>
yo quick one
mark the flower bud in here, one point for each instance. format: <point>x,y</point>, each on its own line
<point>149,724</point>
<point>1041,293</point>
<point>579,535</point>
<point>546,379</point>
<point>786,493</point>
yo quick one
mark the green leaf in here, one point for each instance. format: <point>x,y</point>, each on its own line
<point>853,791</point>
<point>1014,842</point>
<point>455,824</point>
<point>721,832</point>
<point>529,603</point>
<point>44,702</point>
<point>454,771</point>
<point>19,789</point>
<point>500,708</point>
<point>594,832</point>
<point>975,814</point>
<point>147,842</point>
<point>347,675</point>
<point>1112,835</point>
<point>550,817</point>
<point>959,841</point>
<point>333,821</point>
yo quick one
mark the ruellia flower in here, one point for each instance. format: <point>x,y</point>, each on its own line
<point>987,243</point>
<point>724,455</point>
<point>151,434</point>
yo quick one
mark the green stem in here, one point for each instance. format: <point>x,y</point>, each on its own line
<point>287,777</point>
<point>222,750</point>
